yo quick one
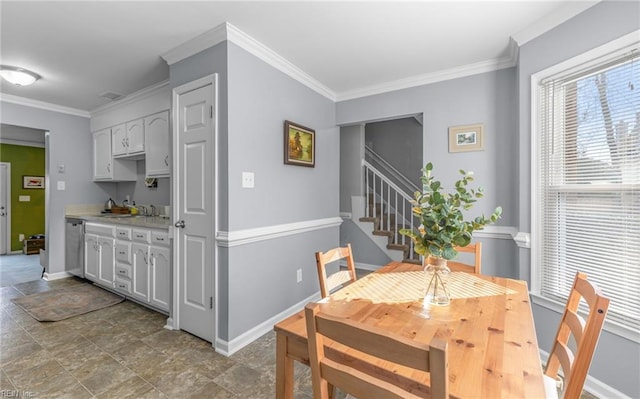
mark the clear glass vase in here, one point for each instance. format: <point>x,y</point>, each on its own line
<point>437,281</point>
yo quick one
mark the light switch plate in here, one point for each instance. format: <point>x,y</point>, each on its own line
<point>61,185</point>
<point>24,198</point>
<point>247,180</point>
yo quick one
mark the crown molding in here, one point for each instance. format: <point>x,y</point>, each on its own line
<point>272,58</point>
<point>9,98</point>
<point>133,97</point>
<point>193,46</point>
<point>550,21</point>
<point>227,31</point>
<point>429,78</point>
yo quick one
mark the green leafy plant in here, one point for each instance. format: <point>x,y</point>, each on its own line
<point>442,224</point>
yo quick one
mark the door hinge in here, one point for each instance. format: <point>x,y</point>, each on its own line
<point>210,302</point>
<point>211,111</point>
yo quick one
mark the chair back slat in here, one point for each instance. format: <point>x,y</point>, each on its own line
<point>395,351</point>
<point>330,282</point>
<point>575,364</point>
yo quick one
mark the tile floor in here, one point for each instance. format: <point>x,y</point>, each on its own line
<point>122,351</point>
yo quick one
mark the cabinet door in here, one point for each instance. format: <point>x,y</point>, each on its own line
<point>135,136</point>
<point>140,287</point>
<point>106,266</point>
<point>119,140</point>
<point>160,277</point>
<point>157,145</point>
<point>91,257</point>
<point>102,168</point>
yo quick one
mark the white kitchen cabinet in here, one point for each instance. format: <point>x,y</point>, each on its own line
<point>99,246</point>
<point>105,168</point>
<point>91,257</point>
<point>128,139</point>
<point>157,160</point>
<point>135,261</point>
<point>140,274</point>
<point>160,292</point>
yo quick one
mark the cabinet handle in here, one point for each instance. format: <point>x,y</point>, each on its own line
<point>109,167</point>
<point>121,253</point>
<point>122,272</point>
<point>146,261</point>
<point>166,161</point>
<point>160,238</point>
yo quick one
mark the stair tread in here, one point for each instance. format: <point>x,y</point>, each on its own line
<point>383,233</point>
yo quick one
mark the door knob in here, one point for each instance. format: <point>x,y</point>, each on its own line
<point>2,213</point>
<point>180,224</point>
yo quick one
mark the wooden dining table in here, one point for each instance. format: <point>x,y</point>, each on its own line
<point>492,346</point>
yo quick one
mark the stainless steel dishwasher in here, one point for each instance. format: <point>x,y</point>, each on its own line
<point>74,247</point>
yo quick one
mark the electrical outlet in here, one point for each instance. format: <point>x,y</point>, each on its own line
<point>20,237</point>
<point>248,180</point>
<point>299,275</point>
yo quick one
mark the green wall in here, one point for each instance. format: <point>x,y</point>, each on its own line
<point>26,217</point>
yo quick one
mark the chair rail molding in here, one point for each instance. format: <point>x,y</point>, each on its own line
<point>248,236</point>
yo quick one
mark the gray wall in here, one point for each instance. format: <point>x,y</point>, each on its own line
<point>260,99</point>
<point>69,144</point>
<point>140,193</point>
<point>399,142</point>
<point>257,281</point>
<point>617,360</point>
<point>488,98</point>
<point>351,155</point>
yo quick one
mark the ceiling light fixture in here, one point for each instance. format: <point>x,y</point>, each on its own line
<point>18,76</point>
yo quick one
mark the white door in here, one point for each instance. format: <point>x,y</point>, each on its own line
<point>106,248</point>
<point>102,154</point>
<point>91,256</point>
<point>5,187</point>
<point>140,276</point>
<point>193,203</point>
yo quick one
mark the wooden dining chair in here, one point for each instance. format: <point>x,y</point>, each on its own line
<point>575,364</point>
<point>339,278</point>
<point>363,382</point>
<point>476,267</point>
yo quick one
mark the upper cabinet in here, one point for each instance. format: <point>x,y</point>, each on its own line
<point>105,167</point>
<point>132,129</point>
<point>157,159</point>
<point>128,139</point>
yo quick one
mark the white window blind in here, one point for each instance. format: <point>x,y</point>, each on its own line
<point>589,183</point>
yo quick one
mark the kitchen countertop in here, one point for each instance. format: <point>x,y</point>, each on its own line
<point>158,222</point>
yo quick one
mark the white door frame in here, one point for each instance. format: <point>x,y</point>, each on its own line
<point>174,321</point>
<point>8,206</point>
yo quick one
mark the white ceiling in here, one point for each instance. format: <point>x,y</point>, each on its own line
<point>84,49</point>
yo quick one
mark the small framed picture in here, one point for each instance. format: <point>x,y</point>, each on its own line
<point>466,138</point>
<point>33,182</point>
<point>299,145</point>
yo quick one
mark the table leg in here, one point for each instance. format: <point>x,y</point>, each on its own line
<point>284,369</point>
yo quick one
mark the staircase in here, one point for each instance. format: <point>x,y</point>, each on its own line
<point>387,209</point>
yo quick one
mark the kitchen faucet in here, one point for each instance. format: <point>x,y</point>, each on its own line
<point>144,210</point>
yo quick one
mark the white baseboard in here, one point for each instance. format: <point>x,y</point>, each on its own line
<point>362,266</point>
<point>592,385</point>
<point>228,348</point>
<point>56,276</point>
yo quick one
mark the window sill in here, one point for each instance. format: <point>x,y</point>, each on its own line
<point>610,326</point>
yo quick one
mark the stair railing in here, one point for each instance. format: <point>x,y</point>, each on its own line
<point>390,171</point>
<point>395,210</point>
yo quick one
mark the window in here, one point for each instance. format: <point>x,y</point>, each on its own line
<point>587,193</point>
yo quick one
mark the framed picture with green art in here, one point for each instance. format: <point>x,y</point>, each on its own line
<point>299,145</point>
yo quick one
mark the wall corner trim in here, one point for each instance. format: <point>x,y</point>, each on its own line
<point>56,276</point>
<point>499,232</point>
<point>523,239</point>
<point>248,236</point>
<point>346,215</point>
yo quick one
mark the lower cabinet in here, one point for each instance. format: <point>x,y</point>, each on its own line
<point>160,272</point>
<point>99,254</point>
<point>137,264</point>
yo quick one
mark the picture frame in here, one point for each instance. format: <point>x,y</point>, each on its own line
<point>299,145</point>
<point>465,138</point>
<point>30,182</point>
